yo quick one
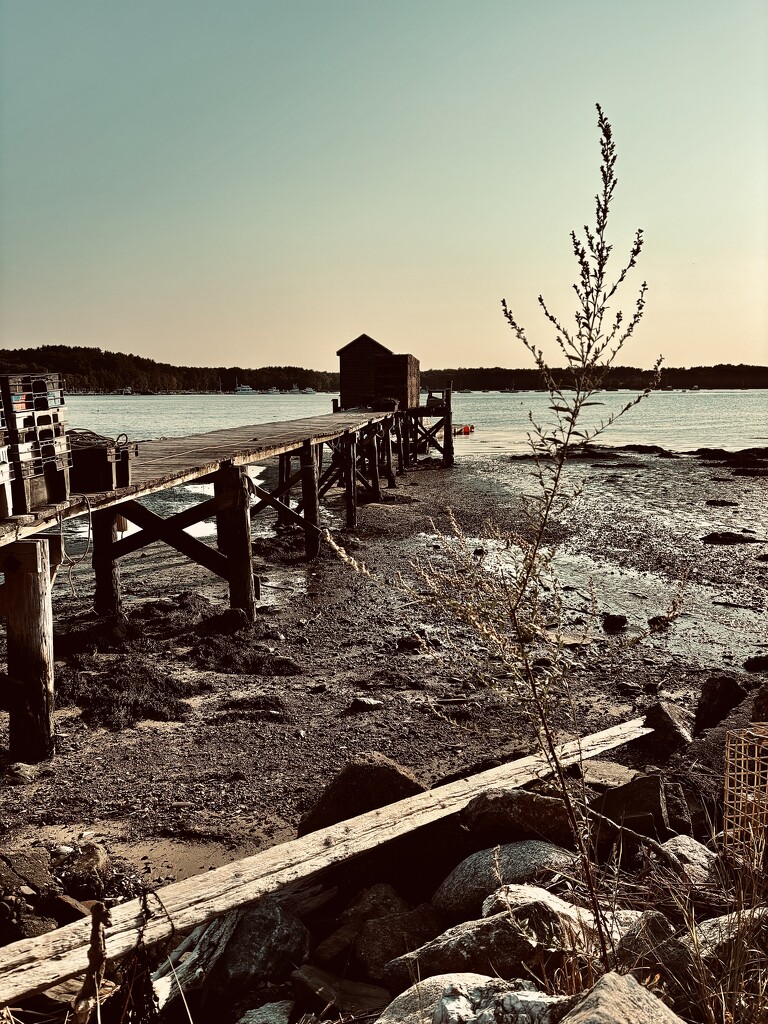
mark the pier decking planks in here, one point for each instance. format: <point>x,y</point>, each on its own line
<point>171,461</point>
<point>32,965</point>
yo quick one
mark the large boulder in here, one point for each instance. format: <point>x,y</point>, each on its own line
<point>619,999</point>
<point>719,696</point>
<point>523,924</point>
<point>639,805</point>
<point>378,901</point>
<point>269,1013</point>
<point>671,730</point>
<point>639,946</point>
<point>266,943</point>
<point>497,1000</point>
<point>507,815</point>
<point>699,862</point>
<point>384,938</point>
<point>490,945</point>
<point>417,1004</point>
<point>369,781</point>
<point>461,894</point>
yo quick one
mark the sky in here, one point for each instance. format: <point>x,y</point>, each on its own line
<point>257,182</point>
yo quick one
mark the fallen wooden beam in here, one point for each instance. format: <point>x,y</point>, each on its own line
<point>33,965</point>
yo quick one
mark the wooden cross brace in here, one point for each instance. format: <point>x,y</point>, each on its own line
<point>171,531</point>
<point>429,434</point>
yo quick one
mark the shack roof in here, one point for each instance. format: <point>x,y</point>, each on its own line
<point>365,340</point>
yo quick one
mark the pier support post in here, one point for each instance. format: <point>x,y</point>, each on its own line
<point>448,459</point>
<point>283,476</point>
<point>27,569</point>
<point>387,441</point>
<point>399,420</point>
<point>350,478</point>
<point>233,524</point>
<point>310,499</point>
<point>373,464</point>
<point>107,599</point>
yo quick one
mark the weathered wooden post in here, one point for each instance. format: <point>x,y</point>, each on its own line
<point>387,440</point>
<point>399,417</point>
<point>310,499</point>
<point>107,598</point>
<point>350,478</point>
<point>233,524</point>
<point>373,463</point>
<point>448,459</point>
<point>27,604</point>
<point>283,476</point>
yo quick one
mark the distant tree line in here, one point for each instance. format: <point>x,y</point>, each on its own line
<point>93,369</point>
<point>498,378</point>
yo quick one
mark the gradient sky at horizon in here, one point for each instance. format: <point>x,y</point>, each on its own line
<point>256,182</point>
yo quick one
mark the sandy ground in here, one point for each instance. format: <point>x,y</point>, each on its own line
<point>178,797</point>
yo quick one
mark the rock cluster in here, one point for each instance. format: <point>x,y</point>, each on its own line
<point>508,932</point>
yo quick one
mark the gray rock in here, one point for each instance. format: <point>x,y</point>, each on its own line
<point>640,944</point>
<point>269,1013</point>
<point>417,1004</point>
<point>719,696</point>
<point>267,943</point>
<point>87,872</point>
<point>613,623</point>
<point>370,781</point>
<point>383,939</point>
<point>678,811</point>
<point>491,945</point>
<point>640,805</point>
<point>619,999</point>
<point>712,949</point>
<point>496,1000</point>
<point>554,922</point>
<point>716,938</point>
<point>551,918</point>
<point>671,731</point>
<point>507,815</point>
<point>461,894</point>
<point>378,900</point>
<point>698,861</point>
<point>760,705</point>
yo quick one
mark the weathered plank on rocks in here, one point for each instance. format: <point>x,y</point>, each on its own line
<point>32,965</point>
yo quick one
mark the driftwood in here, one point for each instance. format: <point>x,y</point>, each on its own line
<point>33,965</point>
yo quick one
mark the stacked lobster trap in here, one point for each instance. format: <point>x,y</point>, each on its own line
<point>35,453</point>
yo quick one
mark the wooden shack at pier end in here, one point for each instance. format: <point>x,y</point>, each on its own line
<point>374,376</point>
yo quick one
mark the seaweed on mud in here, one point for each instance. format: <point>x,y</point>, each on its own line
<point>121,694</point>
<point>168,617</point>
<point>242,655</point>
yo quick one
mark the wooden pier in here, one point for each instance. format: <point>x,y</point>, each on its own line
<point>354,449</point>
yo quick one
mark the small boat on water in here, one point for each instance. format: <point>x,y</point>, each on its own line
<point>308,391</point>
<point>244,389</point>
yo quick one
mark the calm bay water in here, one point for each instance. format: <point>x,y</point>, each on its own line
<point>678,420</point>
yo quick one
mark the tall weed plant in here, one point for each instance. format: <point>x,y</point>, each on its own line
<point>512,599</point>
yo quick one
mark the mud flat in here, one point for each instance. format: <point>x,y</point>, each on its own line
<point>251,724</point>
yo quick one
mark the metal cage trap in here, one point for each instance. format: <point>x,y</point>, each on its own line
<point>745,810</point>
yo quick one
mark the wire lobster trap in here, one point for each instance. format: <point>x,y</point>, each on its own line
<point>745,810</point>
